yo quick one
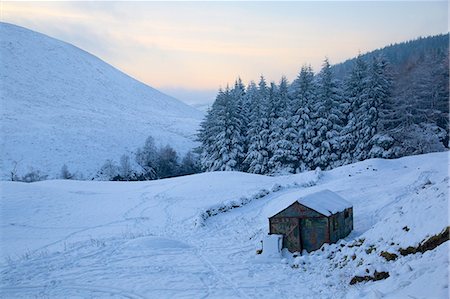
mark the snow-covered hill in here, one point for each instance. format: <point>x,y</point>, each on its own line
<point>62,105</point>
<point>187,237</point>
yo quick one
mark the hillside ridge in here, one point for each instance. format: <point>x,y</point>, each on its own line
<point>62,105</point>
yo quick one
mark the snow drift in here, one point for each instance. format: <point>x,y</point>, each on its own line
<point>62,105</point>
<point>140,239</point>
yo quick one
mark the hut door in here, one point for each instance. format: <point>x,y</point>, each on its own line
<point>314,233</point>
<point>292,235</point>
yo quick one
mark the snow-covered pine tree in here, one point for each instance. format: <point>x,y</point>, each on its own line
<point>302,95</point>
<point>423,105</point>
<point>220,134</point>
<point>274,109</point>
<point>242,113</point>
<point>328,119</point>
<point>367,113</point>
<point>207,135</point>
<point>282,137</point>
<point>257,157</point>
<point>251,101</point>
<point>380,110</point>
<point>356,93</point>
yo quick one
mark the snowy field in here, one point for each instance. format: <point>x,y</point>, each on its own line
<point>84,239</point>
<point>61,105</point>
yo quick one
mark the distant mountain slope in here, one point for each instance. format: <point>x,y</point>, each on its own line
<point>420,69</point>
<point>60,104</point>
<point>401,55</point>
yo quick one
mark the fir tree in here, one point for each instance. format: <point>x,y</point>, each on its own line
<point>257,157</point>
<point>220,135</point>
<point>357,93</point>
<point>282,137</point>
<point>328,119</point>
<point>379,108</point>
<point>303,95</point>
<point>206,136</point>
<point>242,114</point>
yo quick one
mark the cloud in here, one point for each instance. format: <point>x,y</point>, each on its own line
<point>204,45</point>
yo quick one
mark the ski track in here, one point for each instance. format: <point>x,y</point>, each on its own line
<point>215,260</point>
<point>62,290</point>
<point>220,276</point>
<point>66,238</point>
<point>86,258</point>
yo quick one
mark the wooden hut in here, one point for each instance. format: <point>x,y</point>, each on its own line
<point>312,220</point>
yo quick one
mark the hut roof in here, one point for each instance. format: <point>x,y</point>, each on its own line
<point>325,202</point>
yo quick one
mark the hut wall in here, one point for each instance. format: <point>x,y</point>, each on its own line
<point>348,221</point>
<point>314,232</point>
<point>297,210</point>
<point>289,228</point>
<point>341,224</point>
<point>304,228</point>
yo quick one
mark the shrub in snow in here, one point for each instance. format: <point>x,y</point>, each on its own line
<point>33,176</point>
<point>108,171</point>
<point>167,163</point>
<point>146,158</point>
<point>163,162</point>
<point>276,188</point>
<point>65,173</point>
<point>151,163</point>
<point>190,164</point>
<point>125,168</point>
<point>423,138</point>
<point>13,172</point>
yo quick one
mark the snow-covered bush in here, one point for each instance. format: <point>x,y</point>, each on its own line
<point>65,173</point>
<point>33,175</point>
<point>108,171</point>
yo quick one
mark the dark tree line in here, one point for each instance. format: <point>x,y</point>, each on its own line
<point>388,103</point>
<point>150,163</point>
<point>322,121</point>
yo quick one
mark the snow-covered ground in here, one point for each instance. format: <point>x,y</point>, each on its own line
<point>83,239</point>
<point>62,105</point>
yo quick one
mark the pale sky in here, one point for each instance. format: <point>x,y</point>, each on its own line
<point>190,49</point>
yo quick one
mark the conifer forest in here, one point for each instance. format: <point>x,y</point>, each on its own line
<point>387,103</point>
